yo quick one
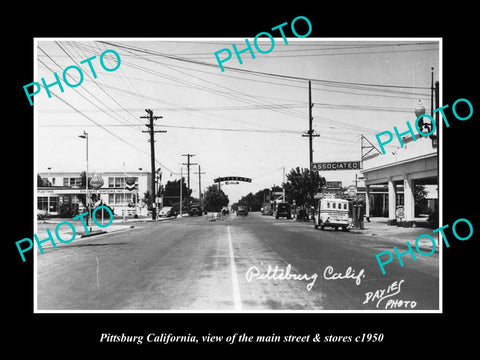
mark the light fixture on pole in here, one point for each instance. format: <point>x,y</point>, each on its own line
<point>85,136</point>
<point>419,109</point>
<point>425,126</point>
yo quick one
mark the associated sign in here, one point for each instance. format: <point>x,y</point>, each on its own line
<point>341,165</point>
<point>231,182</point>
<point>232,178</point>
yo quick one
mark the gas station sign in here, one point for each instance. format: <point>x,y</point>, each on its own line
<point>340,165</point>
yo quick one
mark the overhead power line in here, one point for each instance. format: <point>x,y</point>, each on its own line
<point>100,125</point>
<point>262,73</point>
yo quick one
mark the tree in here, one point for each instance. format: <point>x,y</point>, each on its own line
<point>147,199</point>
<point>301,185</point>
<point>215,199</point>
<point>171,192</point>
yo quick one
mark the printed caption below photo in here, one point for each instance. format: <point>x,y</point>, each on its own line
<point>239,338</point>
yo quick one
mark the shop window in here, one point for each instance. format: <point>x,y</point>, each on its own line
<point>117,182</point>
<point>53,204</point>
<point>42,203</point>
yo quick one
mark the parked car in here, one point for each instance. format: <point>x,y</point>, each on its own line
<point>283,210</point>
<point>225,210</point>
<point>267,209</point>
<point>242,210</point>
<point>195,210</point>
<point>167,211</point>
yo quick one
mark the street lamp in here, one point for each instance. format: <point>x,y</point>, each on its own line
<point>85,136</point>
<point>420,111</point>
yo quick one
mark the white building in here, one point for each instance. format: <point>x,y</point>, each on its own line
<point>414,163</point>
<point>62,191</point>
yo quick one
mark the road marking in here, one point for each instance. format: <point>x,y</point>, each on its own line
<point>237,302</point>
<point>96,257</point>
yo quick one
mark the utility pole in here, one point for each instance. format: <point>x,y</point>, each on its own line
<point>200,186</point>
<point>188,176</point>
<point>152,132</point>
<point>181,188</point>
<point>310,134</point>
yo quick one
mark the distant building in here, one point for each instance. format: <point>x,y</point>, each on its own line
<point>64,190</point>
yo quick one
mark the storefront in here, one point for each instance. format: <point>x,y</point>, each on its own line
<point>121,192</point>
<point>416,163</point>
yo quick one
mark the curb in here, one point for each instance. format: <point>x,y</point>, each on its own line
<point>99,232</point>
<point>395,241</point>
<point>93,233</point>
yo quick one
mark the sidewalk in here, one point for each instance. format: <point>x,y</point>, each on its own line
<point>378,228</point>
<point>65,231</point>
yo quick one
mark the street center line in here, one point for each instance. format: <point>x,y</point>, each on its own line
<point>237,302</point>
<point>96,257</point>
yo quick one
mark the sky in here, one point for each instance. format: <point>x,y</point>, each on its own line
<point>246,121</point>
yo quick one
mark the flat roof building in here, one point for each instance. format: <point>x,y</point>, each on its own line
<point>62,193</point>
<point>414,163</point>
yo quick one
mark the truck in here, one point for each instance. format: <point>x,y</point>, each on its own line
<point>242,210</point>
<point>332,212</point>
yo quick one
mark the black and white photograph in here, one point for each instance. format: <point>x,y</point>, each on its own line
<point>218,179</point>
<point>279,174</point>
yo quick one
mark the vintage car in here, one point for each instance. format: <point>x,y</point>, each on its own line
<point>332,212</point>
<point>242,210</point>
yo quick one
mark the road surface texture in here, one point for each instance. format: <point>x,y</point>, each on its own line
<point>238,263</point>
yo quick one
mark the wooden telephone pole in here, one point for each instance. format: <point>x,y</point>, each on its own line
<point>152,132</point>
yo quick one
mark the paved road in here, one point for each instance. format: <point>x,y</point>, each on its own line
<point>251,263</point>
